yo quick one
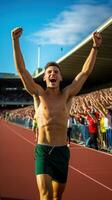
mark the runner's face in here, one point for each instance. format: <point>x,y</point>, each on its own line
<point>52,77</point>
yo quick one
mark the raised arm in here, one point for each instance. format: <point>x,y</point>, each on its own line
<point>25,76</point>
<point>87,68</point>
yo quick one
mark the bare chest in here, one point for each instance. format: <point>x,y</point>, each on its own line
<point>53,106</point>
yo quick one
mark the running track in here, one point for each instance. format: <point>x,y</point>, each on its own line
<point>90,171</point>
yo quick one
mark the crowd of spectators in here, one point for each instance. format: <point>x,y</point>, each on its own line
<point>91,115</point>
<point>23,116</point>
<point>99,100</point>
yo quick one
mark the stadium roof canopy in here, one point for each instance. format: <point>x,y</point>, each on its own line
<point>72,63</point>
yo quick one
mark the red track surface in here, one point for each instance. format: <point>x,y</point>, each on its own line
<point>90,171</point>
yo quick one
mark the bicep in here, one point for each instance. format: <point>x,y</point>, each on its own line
<point>28,82</point>
<point>76,85</point>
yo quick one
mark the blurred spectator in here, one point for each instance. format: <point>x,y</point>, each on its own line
<point>93,130</point>
<point>109,129</point>
<point>103,131</point>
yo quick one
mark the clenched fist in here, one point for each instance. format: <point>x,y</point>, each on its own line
<point>16,33</point>
<point>97,39</point>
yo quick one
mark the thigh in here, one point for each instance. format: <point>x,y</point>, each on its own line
<point>58,189</point>
<point>44,183</point>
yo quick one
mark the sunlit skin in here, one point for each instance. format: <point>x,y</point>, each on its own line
<point>53,110</point>
<point>52,106</point>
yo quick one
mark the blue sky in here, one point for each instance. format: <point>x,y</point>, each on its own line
<point>56,25</point>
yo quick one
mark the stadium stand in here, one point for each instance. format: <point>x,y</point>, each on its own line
<point>12,93</point>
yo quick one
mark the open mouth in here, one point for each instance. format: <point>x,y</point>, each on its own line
<point>52,80</point>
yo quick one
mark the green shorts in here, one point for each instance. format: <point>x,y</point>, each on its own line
<point>52,160</point>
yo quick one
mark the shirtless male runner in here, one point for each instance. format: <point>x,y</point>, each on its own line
<point>53,106</point>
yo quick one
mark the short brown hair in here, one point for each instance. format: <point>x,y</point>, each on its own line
<point>52,63</point>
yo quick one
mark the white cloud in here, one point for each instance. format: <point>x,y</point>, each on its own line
<point>71,24</point>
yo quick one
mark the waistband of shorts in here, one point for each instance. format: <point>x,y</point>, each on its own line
<point>52,146</point>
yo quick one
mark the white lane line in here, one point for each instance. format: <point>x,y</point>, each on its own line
<point>90,178</point>
<point>91,149</point>
<point>15,132</point>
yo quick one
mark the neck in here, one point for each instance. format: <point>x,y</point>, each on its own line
<point>53,91</point>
